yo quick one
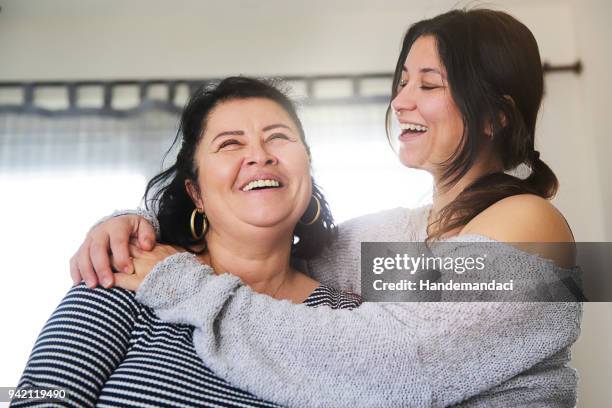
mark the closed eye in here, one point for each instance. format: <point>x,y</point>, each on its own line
<point>228,142</point>
<point>279,136</point>
<point>426,86</point>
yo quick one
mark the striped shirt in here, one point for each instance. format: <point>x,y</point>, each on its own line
<point>109,350</point>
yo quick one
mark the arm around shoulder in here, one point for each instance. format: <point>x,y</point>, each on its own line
<point>380,354</point>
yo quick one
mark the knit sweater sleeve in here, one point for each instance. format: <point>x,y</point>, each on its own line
<point>338,265</point>
<point>380,354</point>
<point>149,216</point>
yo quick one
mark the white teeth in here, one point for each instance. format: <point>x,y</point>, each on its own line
<point>260,183</point>
<point>413,126</point>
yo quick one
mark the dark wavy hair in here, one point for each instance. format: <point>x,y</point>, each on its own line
<point>166,194</point>
<point>496,79</point>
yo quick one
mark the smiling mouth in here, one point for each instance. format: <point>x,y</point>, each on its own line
<point>412,129</point>
<point>265,184</point>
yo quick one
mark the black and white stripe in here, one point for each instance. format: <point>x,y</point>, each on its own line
<point>109,350</point>
<point>327,296</point>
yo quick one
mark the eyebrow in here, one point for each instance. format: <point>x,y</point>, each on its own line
<point>425,70</point>
<point>241,133</point>
<point>428,70</point>
<point>276,125</point>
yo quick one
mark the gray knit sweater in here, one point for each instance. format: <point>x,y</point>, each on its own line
<point>380,354</point>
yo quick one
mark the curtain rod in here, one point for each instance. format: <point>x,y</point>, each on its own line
<point>25,91</point>
<point>576,68</point>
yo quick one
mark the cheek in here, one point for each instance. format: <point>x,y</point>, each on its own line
<point>297,165</point>
<point>446,124</point>
<point>294,159</point>
<point>217,175</point>
<point>302,165</point>
<point>453,129</point>
<point>434,109</point>
<point>301,169</point>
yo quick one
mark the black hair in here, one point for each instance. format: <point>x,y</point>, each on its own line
<point>166,194</point>
<point>496,79</point>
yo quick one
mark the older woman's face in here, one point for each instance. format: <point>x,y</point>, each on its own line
<point>431,123</point>
<point>253,168</point>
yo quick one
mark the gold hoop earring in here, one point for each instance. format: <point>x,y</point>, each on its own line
<point>192,225</point>
<point>316,217</point>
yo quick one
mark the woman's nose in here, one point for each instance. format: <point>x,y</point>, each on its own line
<point>258,154</point>
<point>404,100</point>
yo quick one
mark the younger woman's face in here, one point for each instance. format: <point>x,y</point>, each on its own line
<point>431,124</point>
<point>253,168</point>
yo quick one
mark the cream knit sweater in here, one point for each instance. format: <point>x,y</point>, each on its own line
<point>380,354</point>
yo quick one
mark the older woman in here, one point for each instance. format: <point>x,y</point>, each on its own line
<point>237,195</point>
<point>466,93</point>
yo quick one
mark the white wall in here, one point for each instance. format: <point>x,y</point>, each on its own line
<point>593,36</point>
<point>73,39</point>
<point>69,39</point>
<point>61,39</point>
<point>593,33</point>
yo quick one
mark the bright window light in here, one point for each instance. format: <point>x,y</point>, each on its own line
<point>44,218</point>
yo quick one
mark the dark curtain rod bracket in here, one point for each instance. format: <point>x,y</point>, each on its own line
<point>576,67</point>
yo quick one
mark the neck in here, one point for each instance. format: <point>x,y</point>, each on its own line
<point>443,195</point>
<point>260,262</point>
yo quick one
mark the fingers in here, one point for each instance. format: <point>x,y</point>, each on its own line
<point>98,253</point>
<point>135,251</point>
<point>93,263</point>
<point>84,265</point>
<point>129,282</point>
<point>146,234</point>
<point>121,255</point>
<point>74,271</point>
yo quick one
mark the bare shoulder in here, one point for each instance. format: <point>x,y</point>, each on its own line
<point>521,218</point>
<point>527,218</point>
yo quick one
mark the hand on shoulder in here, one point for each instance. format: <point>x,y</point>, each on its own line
<point>526,218</point>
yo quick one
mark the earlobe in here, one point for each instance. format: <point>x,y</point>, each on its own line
<point>488,130</point>
<point>193,192</point>
<point>503,119</point>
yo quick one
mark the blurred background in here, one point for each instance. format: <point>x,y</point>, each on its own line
<point>90,92</point>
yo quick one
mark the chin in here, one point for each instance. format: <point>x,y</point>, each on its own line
<point>268,219</point>
<point>410,159</point>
